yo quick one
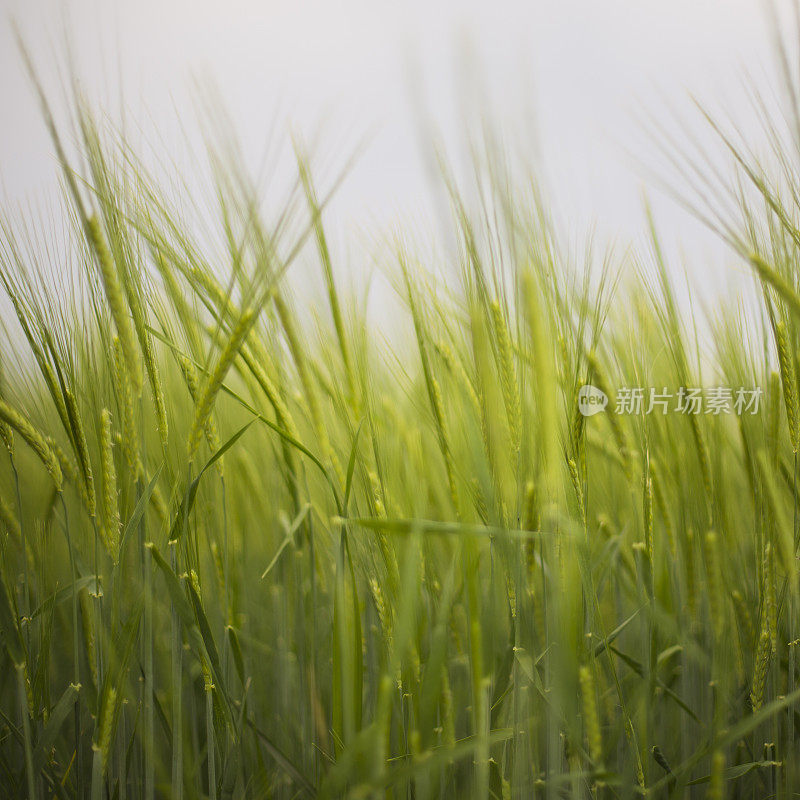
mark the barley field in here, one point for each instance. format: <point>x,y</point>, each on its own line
<point>256,547</point>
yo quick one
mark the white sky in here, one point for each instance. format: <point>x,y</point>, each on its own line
<point>579,75</point>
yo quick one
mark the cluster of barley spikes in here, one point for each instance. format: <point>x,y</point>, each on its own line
<point>250,552</point>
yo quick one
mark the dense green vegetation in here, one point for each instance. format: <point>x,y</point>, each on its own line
<point>251,550</point>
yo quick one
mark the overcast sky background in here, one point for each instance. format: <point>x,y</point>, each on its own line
<point>569,80</point>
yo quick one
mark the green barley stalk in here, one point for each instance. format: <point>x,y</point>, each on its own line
<point>288,323</point>
<point>456,367</point>
<point>159,506</point>
<point>215,379</point>
<point>744,617</point>
<point>330,283</point>
<point>176,646</point>
<point>544,375</point>
<point>89,636</point>
<point>495,439</point>
<point>432,386</point>
<point>702,453</point>
<point>210,756</point>
<point>148,354</point>
<point>149,726</point>
<point>101,746</point>
<point>663,509</point>
<point>647,512</point>
<point>508,375</point>
<point>78,728</point>
<point>591,719</point>
<point>26,730</point>
<point>9,519</point>
<point>53,387</point>
<point>599,379</point>
<point>716,784</point>
<point>208,688</point>
<point>255,357</point>
<point>78,437</point>
<point>691,575</point>
<point>770,597</point>
<point>438,412</point>
<point>714,579</point>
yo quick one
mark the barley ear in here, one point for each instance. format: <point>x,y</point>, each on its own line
<point>7,437</point>
<point>105,724</point>
<point>744,617</point>
<point>578,488</point>
<point>35,441</point>
<point>789,384</point>
<point>130,435</point>
<point>714,578</point>
<point>214,381</point>
<point>116,301</point>
<point>647,513</point>
<point>508,375</point>
<point>591,719</point>
<point>193,384</point>
<point>110,523</point>
<point>760,671</point>
<point>81,450</point>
